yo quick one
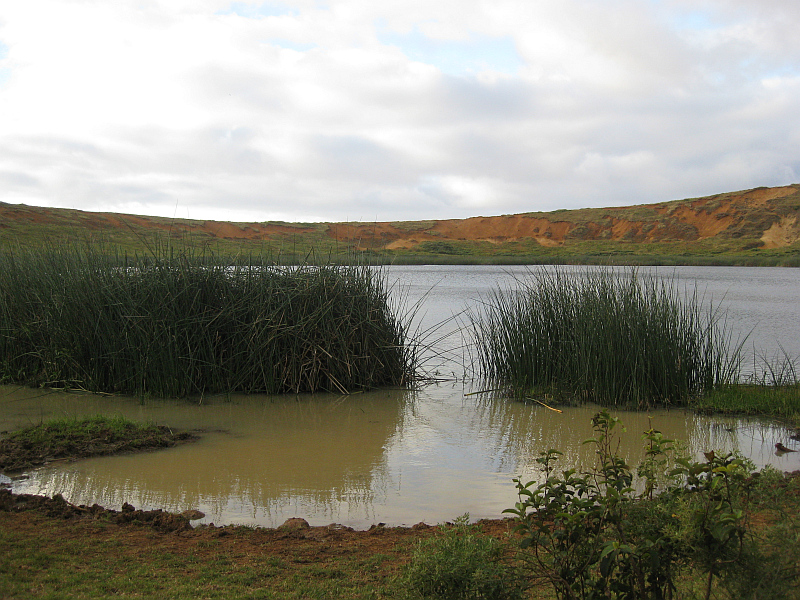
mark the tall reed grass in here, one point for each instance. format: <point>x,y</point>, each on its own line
<point>606,336</point>
<point>172,325</point>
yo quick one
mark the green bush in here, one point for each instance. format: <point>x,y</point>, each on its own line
<point>600,533</point>
<point>459,564</point>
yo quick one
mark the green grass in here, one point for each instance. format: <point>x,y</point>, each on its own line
<point>614,338</point>
<point>58,564</point>
<point>78,438</point>
<point>779,402</point>
<point>64,433</point>
<point>178,324</point>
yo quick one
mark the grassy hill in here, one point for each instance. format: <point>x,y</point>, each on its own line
<point>758,226</point>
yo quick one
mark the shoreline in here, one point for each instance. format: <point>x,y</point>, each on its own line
<point>167,522</point>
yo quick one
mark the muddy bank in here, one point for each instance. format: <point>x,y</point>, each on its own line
<point>19,454</point>
<point>165,522</point>
<point>58,508</point>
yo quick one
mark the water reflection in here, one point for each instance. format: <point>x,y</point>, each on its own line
<point>389,456</point>
<point>394,456</point>
<point>260,460</point>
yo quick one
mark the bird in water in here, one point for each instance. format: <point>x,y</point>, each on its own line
<point>781,449</point>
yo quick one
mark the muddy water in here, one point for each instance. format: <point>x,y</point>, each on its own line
<point>396,457</point>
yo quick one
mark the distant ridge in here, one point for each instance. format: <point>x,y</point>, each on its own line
<point>761,221</point>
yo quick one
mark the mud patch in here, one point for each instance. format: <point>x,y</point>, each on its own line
<point>58,508</point>
<point>294,529</point>
<point>19,454</point>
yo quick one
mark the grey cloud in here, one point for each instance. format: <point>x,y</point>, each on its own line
<point>12,180</point>
<point>349,156</point>
<point>360,131</point>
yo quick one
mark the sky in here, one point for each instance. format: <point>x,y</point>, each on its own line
<point>365,110</point>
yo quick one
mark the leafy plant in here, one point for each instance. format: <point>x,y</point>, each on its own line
<point>600,533</point>
<point>459,564</point>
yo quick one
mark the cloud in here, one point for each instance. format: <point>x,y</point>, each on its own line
<point>305,110</point>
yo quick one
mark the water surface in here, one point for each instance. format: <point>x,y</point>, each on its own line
<point>390,456</point>
<point>394,456</point>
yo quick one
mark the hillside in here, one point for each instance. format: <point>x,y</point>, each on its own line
<point>751,226</point>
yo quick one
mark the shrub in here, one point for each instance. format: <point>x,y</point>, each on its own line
<point>459,564</point>
<point>590,534</point>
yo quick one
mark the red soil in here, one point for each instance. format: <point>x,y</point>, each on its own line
<point>686,220</point>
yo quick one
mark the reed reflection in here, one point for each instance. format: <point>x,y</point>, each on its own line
<point>260,459</point>
<point>388,456</point>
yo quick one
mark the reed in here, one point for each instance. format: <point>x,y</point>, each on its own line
<point>174,324</point>
<point>606,336</point>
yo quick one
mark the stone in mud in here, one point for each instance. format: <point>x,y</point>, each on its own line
<point>193,514</point>
<point>295,523</point>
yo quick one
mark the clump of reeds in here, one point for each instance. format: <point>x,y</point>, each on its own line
<point>177,325</point>
<point>604,336</point>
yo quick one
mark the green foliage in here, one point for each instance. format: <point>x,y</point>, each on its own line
<point>459,564</point>
<point>601,534</point>
<point>176,325</point>
<point>604,336</point>
<point>772,390</point>
<point>437,247</point>
<point>75,438</point>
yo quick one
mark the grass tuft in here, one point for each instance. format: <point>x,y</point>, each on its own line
<point>610,337</point>
<point>72,438</point>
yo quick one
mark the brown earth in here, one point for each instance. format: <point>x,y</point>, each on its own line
<point>768,216</point>
<point>134,529</point>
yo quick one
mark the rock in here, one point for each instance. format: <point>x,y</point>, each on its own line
<point>295,523</point>
<point>193,514</point>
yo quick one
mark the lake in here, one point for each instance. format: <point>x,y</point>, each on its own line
<point>396,456</point>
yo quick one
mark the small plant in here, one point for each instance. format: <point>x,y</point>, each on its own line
<point>601,534</point>
<point>577,527</point>
<point>459,564</point>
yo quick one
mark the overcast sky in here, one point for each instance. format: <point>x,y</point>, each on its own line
<point>365,110</point>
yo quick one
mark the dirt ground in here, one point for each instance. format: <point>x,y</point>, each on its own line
<point>174,532</point>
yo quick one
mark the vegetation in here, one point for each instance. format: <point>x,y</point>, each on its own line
<point>175,325</point>
<point>460,564</point>
<point>79,438</point>
<point>613,338</point>
<point>752,227</point>
<point>779,402</point>
<point>681,532</point>
<point>673,528</point>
